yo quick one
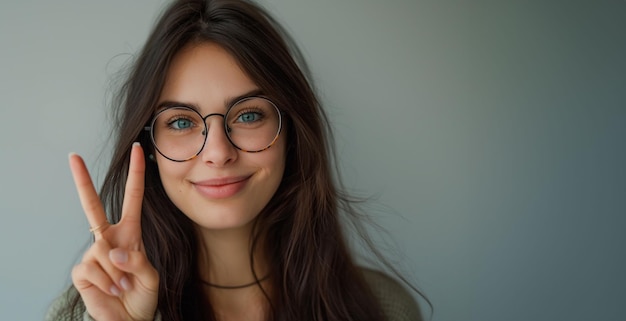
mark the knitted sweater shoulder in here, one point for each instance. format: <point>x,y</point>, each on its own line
<point>395,300</point>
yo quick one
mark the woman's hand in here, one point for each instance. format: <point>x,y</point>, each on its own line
<point>115,279</point>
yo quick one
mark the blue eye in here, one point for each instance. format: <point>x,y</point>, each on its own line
<point>248,117</point>
<point>181,123</point>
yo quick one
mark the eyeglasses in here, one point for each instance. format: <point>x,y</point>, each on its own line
<point>252,125</point>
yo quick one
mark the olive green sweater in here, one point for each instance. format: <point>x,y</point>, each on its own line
<point>395,301</point>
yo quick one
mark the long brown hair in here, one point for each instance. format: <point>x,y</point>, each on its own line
<point>314,276</point>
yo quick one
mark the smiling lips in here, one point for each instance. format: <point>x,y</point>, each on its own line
<point>221,187</point>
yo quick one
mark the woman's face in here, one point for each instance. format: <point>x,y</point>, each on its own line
<point>223,187</point>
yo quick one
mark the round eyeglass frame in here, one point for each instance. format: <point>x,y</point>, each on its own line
<point>226,128</point>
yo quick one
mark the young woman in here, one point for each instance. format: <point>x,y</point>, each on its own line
<point>220,196</point>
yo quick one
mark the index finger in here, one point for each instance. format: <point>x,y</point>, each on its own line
<point>89,199</point>
<point>133,192</point>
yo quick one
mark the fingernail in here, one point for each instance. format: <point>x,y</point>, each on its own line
<point>125,283</point>
<point>136,144</point>
<point>118,256</point>
<point>114,290</point>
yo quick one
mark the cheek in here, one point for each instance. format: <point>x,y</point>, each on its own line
<point>270,166</point>
<point>172,174</point>
<point>276,158</point>
<point>278,168</point>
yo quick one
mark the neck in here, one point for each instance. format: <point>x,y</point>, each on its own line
<point>225,258</point>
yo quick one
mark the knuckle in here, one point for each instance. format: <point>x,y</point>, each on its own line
<point>77,271</point>
<point>138,260</point>
<point>142,263</point>
<point>92,205</point>
<point>80,271</point>
<point>100,247</point>
<point>137,170</point>
<point>135,193</point>
<point>98,252</point>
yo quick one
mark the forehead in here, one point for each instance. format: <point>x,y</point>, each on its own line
<point>205,75</point>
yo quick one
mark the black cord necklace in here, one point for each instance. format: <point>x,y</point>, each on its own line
<point>234,287</point>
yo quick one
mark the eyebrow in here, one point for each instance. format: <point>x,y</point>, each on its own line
<point>228,102</point>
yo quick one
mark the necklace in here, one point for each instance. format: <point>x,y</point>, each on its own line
<point>234,287</point>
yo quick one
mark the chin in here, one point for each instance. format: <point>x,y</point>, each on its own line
<point>223,218</point>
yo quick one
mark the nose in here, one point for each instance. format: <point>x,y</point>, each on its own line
<point>217,151</point>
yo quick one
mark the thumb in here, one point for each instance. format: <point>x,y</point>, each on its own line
<point>136,264</point>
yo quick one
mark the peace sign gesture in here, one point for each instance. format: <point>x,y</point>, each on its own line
<point>115,279</point>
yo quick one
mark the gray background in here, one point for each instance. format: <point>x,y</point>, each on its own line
<point>492,132</point>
